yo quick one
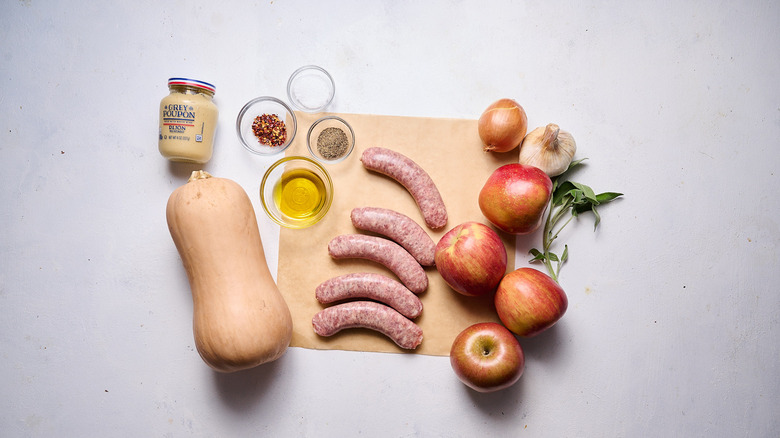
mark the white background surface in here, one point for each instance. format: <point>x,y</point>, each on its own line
<point>672,328</point>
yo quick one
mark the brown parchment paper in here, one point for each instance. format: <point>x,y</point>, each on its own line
<point>450,151</point>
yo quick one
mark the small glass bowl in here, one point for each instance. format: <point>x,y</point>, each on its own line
<point>311,89</point>
<point>296,192</point>
<point>257,107</point>
<point>314,133</point>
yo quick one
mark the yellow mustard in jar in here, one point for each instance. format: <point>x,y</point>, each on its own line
<point>188,121</point>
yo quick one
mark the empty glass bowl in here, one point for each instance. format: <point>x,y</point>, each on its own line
<point>296,192</point>
<point>259,129</point>
<point>330,139</point>
<point>310,89</point>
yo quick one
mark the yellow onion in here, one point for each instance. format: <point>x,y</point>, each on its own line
<point>502,126</point>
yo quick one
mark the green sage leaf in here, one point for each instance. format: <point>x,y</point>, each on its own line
<point>582,208</point>
<point>587,192</point>
<point>598,218</point>
<point>562,191</point>
<point>578,195</point>
<point>574,164</point>
<point>538,255</point>
<point>607,196</point>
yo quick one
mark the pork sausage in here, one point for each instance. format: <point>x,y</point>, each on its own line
<point>371,286</point>
<point>368,314</point>
<point>400,228</point>
<point>413,177</point>
<point>383,251</point>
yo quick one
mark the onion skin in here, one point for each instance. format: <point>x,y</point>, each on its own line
<point>502,126</point>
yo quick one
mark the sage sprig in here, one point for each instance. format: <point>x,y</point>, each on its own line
<point>569,200</point>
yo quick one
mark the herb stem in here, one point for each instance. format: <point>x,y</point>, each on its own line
<point>555,236</point>
<point>550,234</point>
<point>568,199</point>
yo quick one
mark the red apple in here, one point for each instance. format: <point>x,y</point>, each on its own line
<point>471,258</point>
<point>487,357</point>
<point>529,301</point>
<point>515,197</point>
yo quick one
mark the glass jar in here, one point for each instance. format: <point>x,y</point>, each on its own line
<point>188,121</point>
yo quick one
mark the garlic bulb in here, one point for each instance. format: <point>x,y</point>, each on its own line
<point>548,148</point>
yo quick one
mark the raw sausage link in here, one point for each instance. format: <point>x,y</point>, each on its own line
<point>416,180</point>
<point>368,314</point>
<point>372,286</point>
<point>383,251</point>
<point>399,227</point>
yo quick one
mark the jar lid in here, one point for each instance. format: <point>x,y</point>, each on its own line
<point>192,83</point>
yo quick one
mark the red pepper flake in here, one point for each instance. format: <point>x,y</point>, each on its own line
<point>270,130</point>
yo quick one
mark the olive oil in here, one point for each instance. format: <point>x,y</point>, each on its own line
<point>299,194</point>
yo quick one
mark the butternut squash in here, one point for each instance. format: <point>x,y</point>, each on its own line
<point>240,319</point>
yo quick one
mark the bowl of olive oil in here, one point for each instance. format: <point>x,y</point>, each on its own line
<point>296,192</point>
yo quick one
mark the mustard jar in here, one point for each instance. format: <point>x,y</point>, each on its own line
<point>188,121</point>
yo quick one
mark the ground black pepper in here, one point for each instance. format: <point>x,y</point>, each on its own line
<point>332,143</point>
<point>269,130</point>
